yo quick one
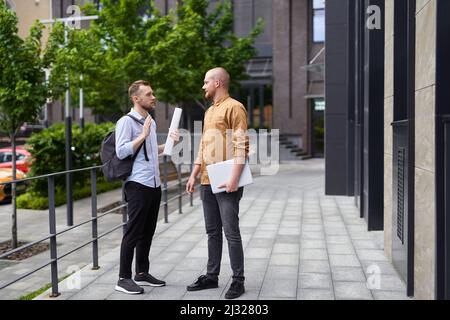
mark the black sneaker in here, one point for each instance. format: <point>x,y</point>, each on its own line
<point>147,279</point>
<point>236,290</point>
<point>128,286</point>
<point>202,283</point>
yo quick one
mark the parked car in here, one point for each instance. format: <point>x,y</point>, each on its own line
<point>5,190</point>
<point>22,161</point>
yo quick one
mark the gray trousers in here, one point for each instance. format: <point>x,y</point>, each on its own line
<point>222,211</point>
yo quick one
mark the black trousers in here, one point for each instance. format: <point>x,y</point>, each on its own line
<point>222,212</point>
<point>143,209</point>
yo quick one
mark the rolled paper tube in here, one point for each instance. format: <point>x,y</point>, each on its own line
<point>173,126</point>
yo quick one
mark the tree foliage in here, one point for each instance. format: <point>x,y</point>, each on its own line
<point>131,40</point>
<point>22,87</point>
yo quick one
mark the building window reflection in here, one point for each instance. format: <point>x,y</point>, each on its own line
<point>318,26</point>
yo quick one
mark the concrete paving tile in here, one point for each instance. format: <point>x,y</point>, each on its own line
<point>170,257</point>
<point>197,253</point>
<point>314,266</point>
<point>351,291</point>
<point>312,227</point>
<point>262,253</point>
<point>191,264</point>
<point>382,267</point>
<point>338,239</point>
<point>313,244</point>
<point>260,243</point>
<point>340,249</point>
<point>336,231</point>
<point>281,272</point>
<point>348,274</point>
<point>257,265</point>
<point>365,244</point>
<point>315,294</point>
<point>391,283</point>
<point>344,260</point>
<point>371,255</point>
<point>94,292</point>
<point>312,235</point>
<point>278,289</point>
<point>166,293</point>
<point>181,246</point>
<point>313,254</point>
<point>282,259</point>
<point>289,231</point>
<point>314,281</point>
<point>390,295</point>
<point>280,247</point>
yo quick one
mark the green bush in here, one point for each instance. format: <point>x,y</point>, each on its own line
<point>48,151</point>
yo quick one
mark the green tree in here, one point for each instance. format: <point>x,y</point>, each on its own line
<point>110,54</point>
<point>22,85</point>
<point>131,40</point>
<point>200,40</point>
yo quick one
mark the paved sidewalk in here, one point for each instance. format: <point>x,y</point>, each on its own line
<point>299,244</point>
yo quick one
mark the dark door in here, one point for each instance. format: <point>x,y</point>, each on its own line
<point>443,151</point>
<point>373,127</point>
<point>403,141</point>
<point>317,127</point>
<point>359,101</point>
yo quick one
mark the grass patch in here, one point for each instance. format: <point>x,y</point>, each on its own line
<point>32,295</point>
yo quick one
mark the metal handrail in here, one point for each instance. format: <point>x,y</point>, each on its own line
<point>54,258</point>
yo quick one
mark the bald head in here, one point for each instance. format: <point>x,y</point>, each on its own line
<point>219,74</point>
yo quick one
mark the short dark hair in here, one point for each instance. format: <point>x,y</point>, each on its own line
<point>135,86</point>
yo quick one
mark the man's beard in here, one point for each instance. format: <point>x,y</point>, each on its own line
<point>149,107</point>
<point>208,96</point>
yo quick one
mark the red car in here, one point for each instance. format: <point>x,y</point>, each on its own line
<point>22,161</point>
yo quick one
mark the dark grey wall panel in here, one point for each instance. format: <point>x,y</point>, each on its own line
<point>336,96</point>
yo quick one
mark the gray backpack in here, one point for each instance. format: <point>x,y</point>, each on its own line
<point>114,168</point>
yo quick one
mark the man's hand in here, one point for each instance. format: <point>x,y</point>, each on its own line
<point>175,135</point>
<point>230,186</point>
<point>147,126</point>
<point>190,186</point>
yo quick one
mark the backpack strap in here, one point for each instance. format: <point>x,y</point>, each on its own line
<point>143,143</point>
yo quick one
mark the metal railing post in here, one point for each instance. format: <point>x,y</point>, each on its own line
<point>52,225</point>
<point>180,191</point>
<point>191,196</point>
<point>94,219</point>
<point>191,167</point>
<point>166,208</point>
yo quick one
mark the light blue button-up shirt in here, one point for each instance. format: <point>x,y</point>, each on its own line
<point>127,130</point>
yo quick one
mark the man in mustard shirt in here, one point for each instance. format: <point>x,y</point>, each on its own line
<point>224,138</point>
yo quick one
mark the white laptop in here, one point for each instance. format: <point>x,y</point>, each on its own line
<point>220,173</point>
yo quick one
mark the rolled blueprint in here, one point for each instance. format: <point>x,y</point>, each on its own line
<point>173,126</point>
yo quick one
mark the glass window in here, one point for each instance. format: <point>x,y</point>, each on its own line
<point>7,157</point>
<point>318,20</point>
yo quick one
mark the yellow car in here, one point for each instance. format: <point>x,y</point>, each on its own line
<point>6,176</point>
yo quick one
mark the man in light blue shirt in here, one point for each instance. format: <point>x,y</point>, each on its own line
<point>136,133</point>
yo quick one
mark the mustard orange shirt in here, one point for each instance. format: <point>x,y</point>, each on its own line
<point>224,135</point>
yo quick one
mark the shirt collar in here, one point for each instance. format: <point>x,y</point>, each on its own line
<point>221,100</point>
<point>136,114</point>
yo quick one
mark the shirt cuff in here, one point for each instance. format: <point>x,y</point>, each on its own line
<point>198,161</point>
<point>129,148</point>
